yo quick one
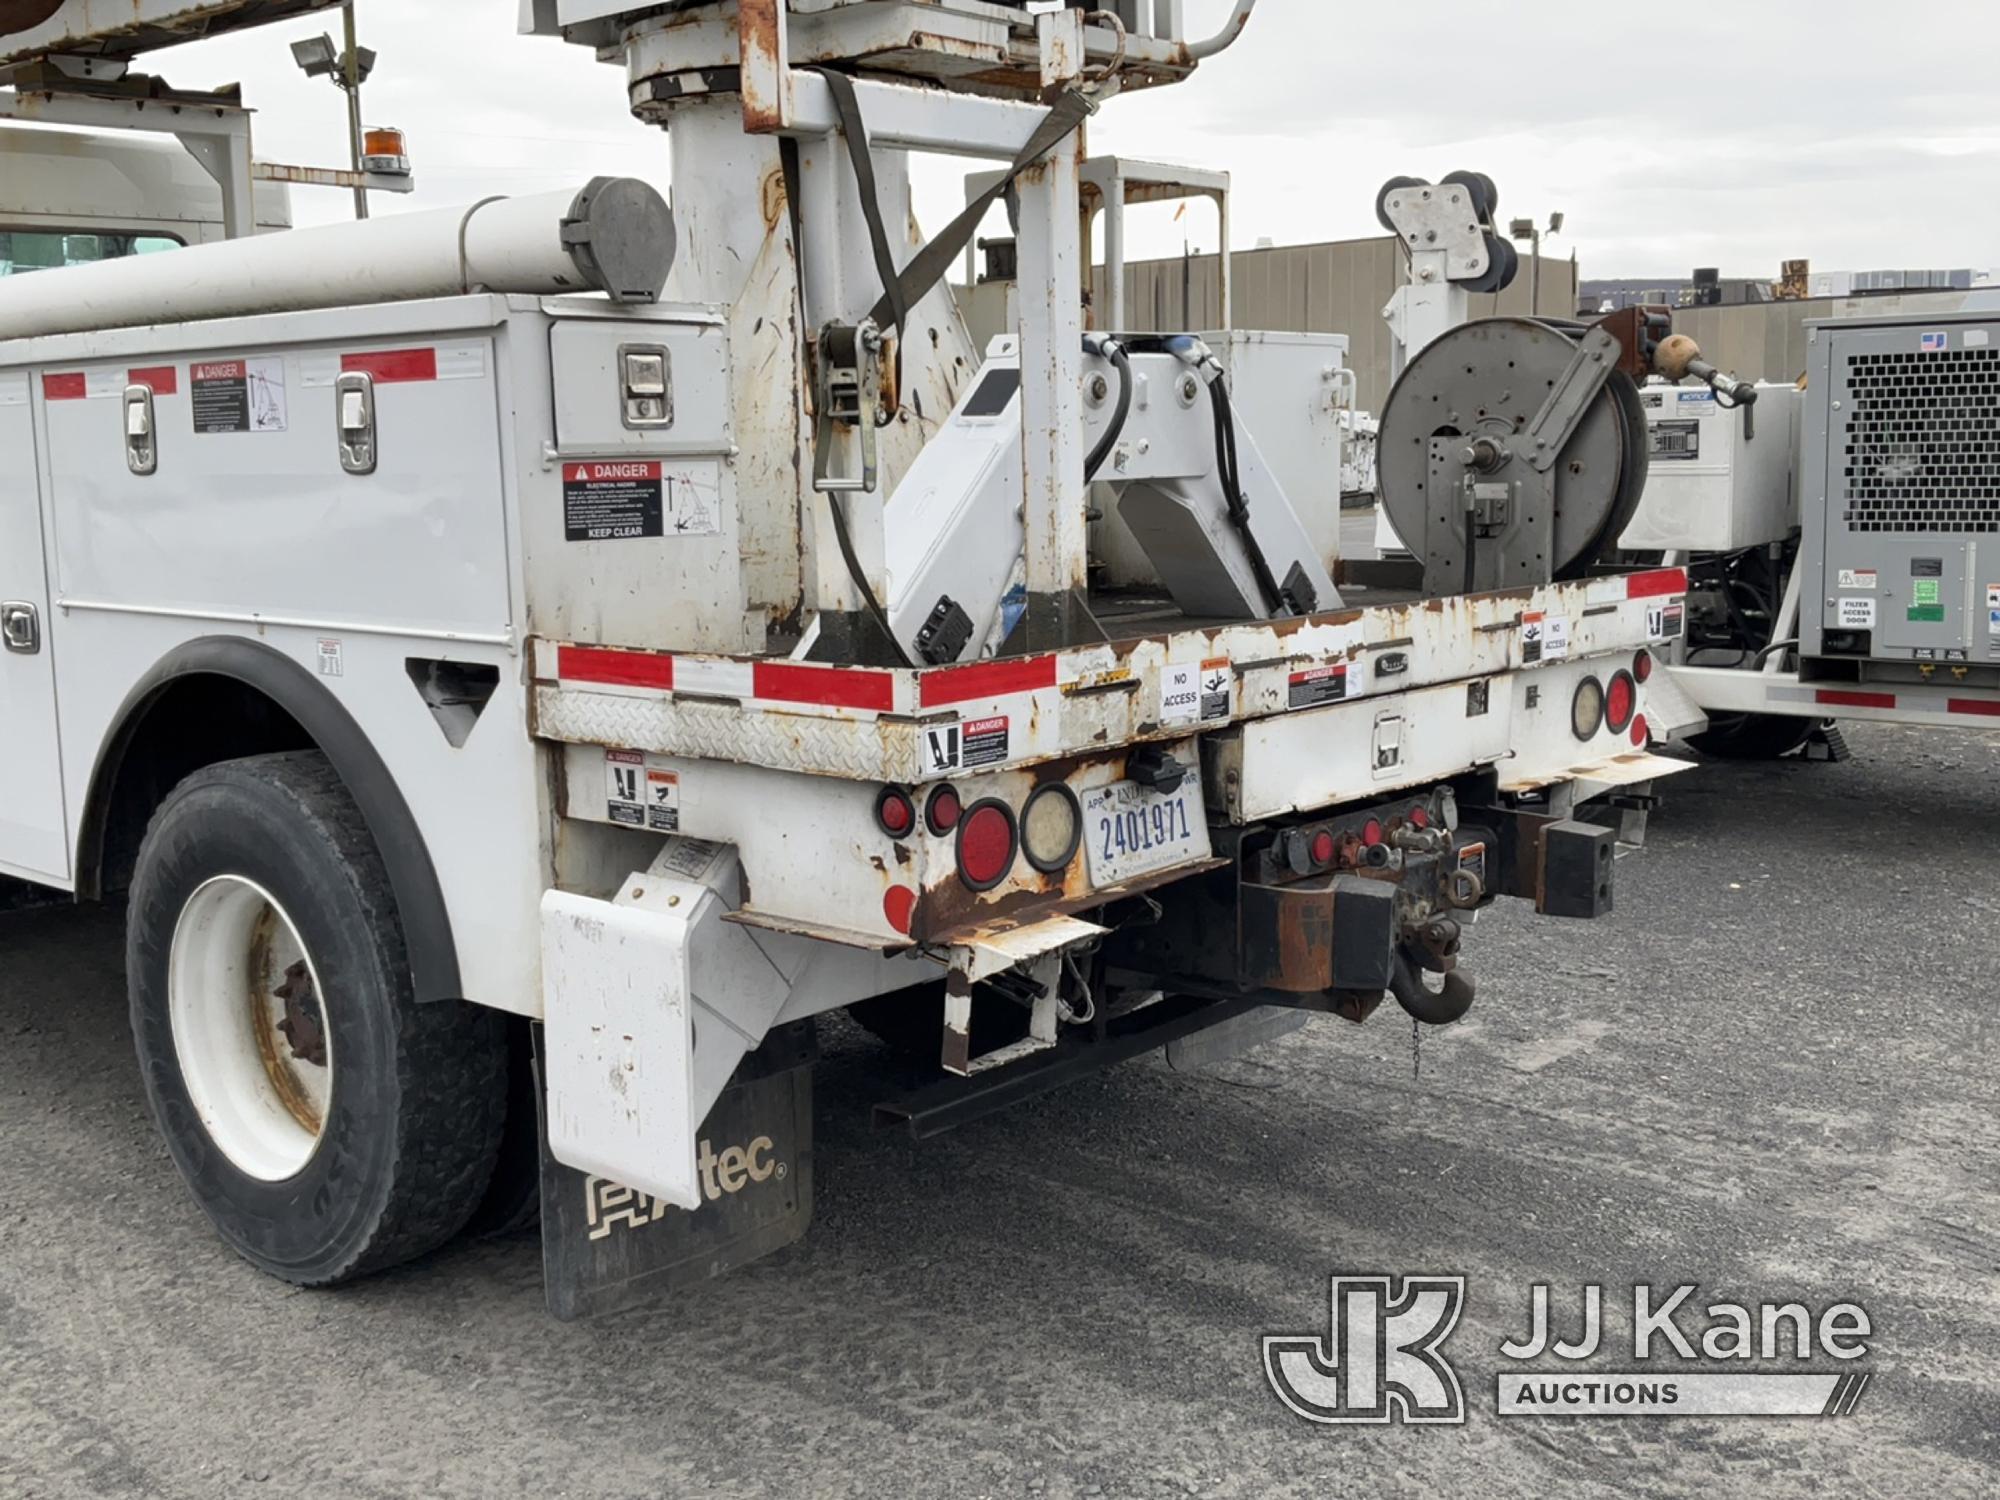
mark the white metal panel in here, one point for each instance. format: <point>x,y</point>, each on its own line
<point>619,1044</point>
<point>1721,479</point>
<point>32,837</point>
<point>265,522</point>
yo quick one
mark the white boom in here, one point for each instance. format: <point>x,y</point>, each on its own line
<point>616,235</point>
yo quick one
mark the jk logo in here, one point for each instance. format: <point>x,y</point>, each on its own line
<point>1381,1363</point>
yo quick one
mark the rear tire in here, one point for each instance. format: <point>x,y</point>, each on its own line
<point>328,1124</point>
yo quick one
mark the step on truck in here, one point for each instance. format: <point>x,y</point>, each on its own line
<point>518,666</point>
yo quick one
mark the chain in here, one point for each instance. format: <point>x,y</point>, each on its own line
<point>1416,1050</point>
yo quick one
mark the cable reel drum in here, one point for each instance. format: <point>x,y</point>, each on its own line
<point>1513,452</point>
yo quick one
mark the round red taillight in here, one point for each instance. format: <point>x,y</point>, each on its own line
<point>1621,701</point>
<point>988,839</point>
<point>1642,666</point>
<point>899,906</point>
<point>1322,848</point>
<point>1372,834</point>
<point>1420,817</point>
<point>895,812</point>
<point>1642,732</point>
<point>944,810</point>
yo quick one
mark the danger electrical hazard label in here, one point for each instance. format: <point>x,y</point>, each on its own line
<point>1320,686</point>
<point>238,395</point>
<point>986,742</point>
<point>614,502</point>
<point>626,501</point>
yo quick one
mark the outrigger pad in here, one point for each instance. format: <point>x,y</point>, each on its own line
<point>608,1249</point>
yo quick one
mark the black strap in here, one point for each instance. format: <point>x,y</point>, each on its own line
<point>903,291</point>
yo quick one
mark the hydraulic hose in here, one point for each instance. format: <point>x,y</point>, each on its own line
<point>1114,351</point>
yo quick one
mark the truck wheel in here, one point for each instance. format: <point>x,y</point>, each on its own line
<point>328,1124</point>
<point>1753,736</point>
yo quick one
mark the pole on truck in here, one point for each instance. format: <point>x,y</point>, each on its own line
<point>352,88</point>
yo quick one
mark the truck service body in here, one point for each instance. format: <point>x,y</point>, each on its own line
<point>417,637</point>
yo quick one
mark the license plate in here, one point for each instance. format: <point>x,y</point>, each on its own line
<point>1131,832</point>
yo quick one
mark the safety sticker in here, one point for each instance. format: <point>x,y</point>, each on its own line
<point>1180,694</point>
<point>663,800</point>
<point>624,785</point>
<point>332,658</point>
<point>626,501</point>
<point>1319,686</point>
<point>238,395</point>
<point>1216,681</point>
<point>1993,609</point>
<point>1555,639</point>
<point>1926,601</point>
<point>1194,693</point>
<point>1857,614</point>
<point>1472,860</point>
<point>986,743</point>
<point>1936,343</point>
<point>1859,578</point>
<point>688,858</point>
<point>944,749</point>
<point>1679,439</point>
<point>1533,627</point>
<point>1664,622</point>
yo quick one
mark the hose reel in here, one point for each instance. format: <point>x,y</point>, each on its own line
<point>1513,452</point>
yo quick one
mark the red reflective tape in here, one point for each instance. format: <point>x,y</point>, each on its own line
<point>1834,698</point>
<point>1656,584</point>
<point>614,668</point>
<point>164,379</point>
<point>989,679</point>
<point>65,387</point>
<point>1979,707</point>
<point>393,366</point>
<point>829,687</point>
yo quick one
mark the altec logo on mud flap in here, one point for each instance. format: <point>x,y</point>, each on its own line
<point>611,1206</point>
<point>1383,1361</point>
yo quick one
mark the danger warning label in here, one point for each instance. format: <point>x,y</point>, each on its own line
<point>1321,685</point>
<point>238,395</point>
<point>613,502</point>
<point>623,501</point>
<point>985,743</point>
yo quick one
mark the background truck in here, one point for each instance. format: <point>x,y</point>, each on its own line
<point>519,665</point>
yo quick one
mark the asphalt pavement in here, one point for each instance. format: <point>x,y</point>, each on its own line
<point>1772,1073</point>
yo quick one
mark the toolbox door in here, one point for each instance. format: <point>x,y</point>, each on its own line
<point>33,841</point>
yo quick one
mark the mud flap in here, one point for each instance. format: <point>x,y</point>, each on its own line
<point>607,1248</point>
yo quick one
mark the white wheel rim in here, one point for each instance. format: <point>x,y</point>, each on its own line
<point>249,1028</point>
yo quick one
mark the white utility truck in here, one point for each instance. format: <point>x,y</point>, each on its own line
<point>518,666</point>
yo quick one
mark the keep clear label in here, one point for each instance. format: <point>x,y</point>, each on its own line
<point>238,395</point>
<point>625,501</point>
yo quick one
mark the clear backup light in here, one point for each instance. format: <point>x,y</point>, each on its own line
<point>1586,709</point>
<point>1052,828</point>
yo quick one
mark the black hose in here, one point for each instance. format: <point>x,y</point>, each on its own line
<point>1232,490</point>
<point>859,578</point>
<point>1114,351</point>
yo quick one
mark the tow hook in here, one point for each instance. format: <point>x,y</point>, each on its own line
<point>1439,1007</point>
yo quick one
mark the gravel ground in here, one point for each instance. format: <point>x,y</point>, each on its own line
<point>1772,1072</point>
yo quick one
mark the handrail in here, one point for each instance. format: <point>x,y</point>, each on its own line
<point>1224,39</point>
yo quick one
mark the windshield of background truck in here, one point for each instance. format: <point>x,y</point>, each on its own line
<point>24,250</point>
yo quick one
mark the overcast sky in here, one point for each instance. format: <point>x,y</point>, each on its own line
<point>1858,135</point>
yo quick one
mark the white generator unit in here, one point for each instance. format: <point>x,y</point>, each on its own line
<point>1721,477</point>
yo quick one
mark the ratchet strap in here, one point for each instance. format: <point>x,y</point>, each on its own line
<point>902,291</point>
